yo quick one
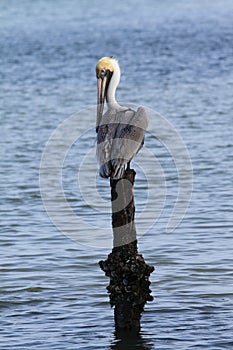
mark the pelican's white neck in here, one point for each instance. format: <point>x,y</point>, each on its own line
<point>111,99</point>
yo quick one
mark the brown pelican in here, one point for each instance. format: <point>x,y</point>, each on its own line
<point>120,131</point>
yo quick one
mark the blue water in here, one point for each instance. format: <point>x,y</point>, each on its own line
<point>176,58</point>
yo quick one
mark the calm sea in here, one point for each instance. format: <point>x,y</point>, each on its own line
<point>176,58</point>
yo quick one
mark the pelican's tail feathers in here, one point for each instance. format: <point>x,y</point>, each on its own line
<point>118,172</point>
<point>114,171</point>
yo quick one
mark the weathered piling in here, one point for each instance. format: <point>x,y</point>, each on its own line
<point>129,274</point>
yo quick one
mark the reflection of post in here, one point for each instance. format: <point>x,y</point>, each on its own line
<point>129,274</point>
<point>130,340</point>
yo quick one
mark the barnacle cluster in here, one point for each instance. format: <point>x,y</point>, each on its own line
<point>129,281</point>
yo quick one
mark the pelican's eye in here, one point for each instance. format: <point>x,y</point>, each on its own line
<point>102,72</point>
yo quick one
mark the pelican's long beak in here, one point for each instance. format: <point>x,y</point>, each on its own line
<point>102,83</point>
<point>104,72</point>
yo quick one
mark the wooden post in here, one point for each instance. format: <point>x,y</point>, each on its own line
<point>129,274</point>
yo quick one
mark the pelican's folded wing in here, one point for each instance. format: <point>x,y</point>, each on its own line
<point>129,136</point>
<point>103,150</point>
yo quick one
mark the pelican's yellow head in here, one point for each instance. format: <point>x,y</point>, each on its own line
<point>104,72</point>
<point>103,65</point>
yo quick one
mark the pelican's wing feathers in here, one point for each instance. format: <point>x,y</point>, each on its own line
<point>105,138</point>
<point>129,136</point>
<point>119,139</point>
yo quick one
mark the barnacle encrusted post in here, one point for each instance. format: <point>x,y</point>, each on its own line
<point>129,274</point>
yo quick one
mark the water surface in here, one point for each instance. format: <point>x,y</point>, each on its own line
<point>176,57</point>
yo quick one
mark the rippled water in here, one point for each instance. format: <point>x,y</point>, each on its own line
<point>176,57</point>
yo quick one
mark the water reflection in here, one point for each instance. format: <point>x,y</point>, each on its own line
<point>126,340</point>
